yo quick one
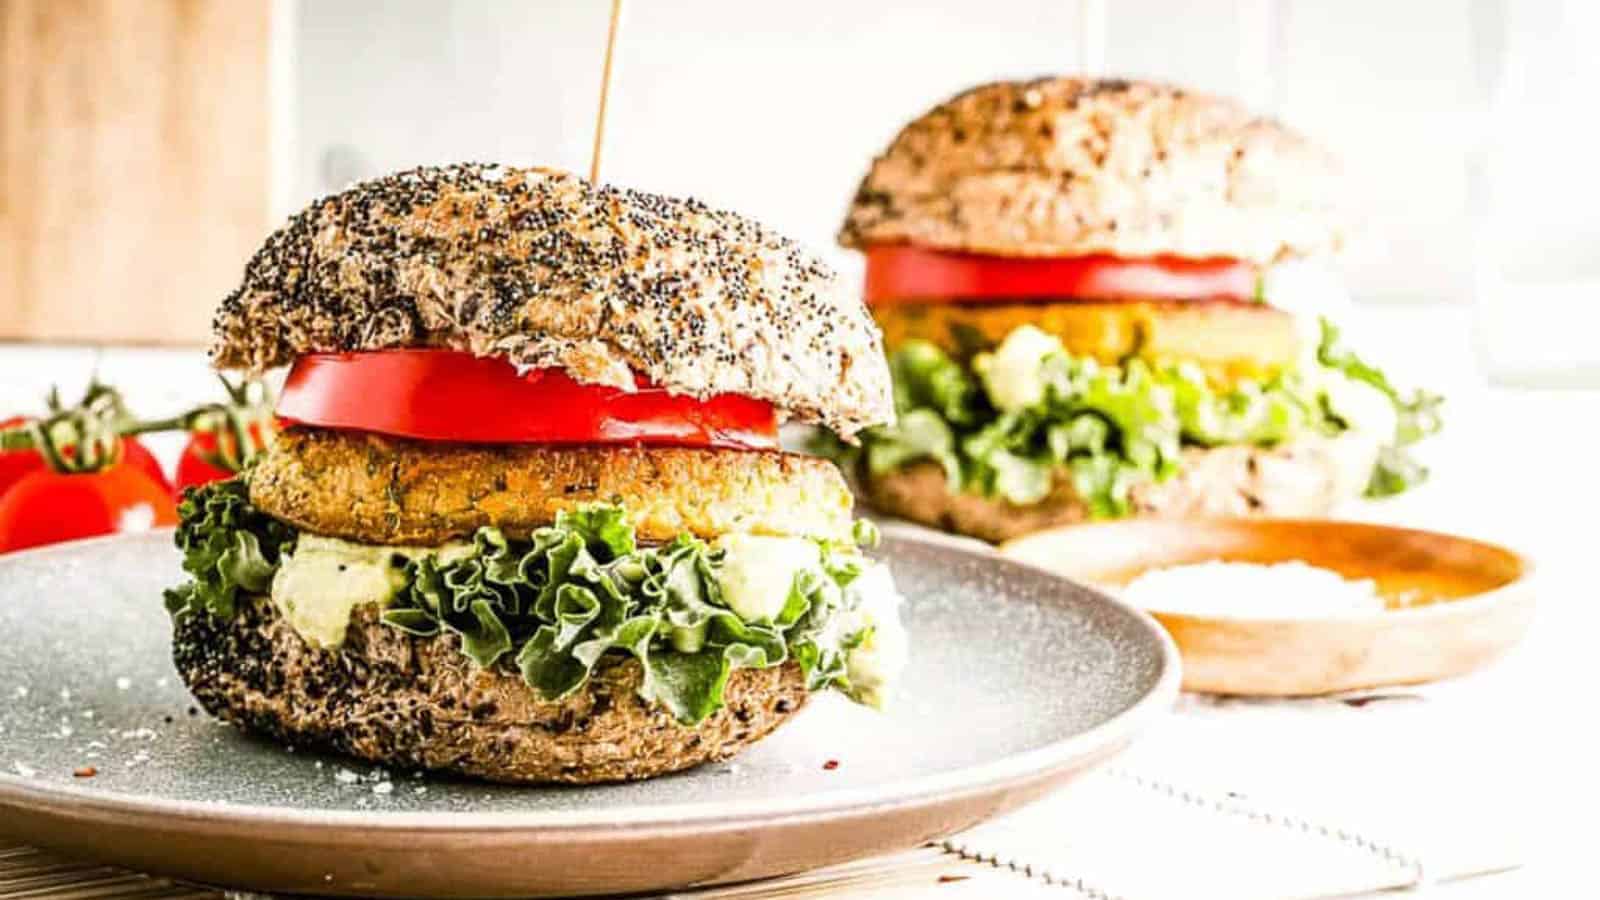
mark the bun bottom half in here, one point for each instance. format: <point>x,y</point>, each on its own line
<point>1307,478</point>
<point>407,703</point>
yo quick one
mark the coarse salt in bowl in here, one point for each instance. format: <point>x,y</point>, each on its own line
<point>1242,590</point>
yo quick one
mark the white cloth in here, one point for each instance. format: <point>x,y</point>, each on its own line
<point>1395,787</point>
<point>1284,799</point>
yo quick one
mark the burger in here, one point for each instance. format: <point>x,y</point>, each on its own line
<point>1088,291</point>
<point>526,517</point>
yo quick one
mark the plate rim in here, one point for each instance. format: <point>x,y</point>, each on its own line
<point>83,802</point>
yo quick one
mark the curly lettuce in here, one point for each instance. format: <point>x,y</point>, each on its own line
<point>554,605</point>
<point>1011,421</point>
<point>228,546</point>
<point>1416,416</point>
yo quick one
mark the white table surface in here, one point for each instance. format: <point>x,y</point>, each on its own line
<point>1514,466</point>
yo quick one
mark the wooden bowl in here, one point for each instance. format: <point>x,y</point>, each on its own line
<point>1454,604</point>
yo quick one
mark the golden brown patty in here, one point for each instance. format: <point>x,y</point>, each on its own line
<point>1227,340</point>
<point>380,490</point>
<point>1305,478</point>
<point>410,702</point>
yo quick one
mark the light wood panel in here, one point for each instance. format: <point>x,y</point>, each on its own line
<point>134,164</point>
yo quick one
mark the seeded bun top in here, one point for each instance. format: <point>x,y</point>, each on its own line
<point>543,268</point>
<point>1074,166</point>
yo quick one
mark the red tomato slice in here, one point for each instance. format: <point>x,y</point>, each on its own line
<point>448,395</point>
<point>195,466</point>
<point>14,464</point>
<point>46,507</point>
<point>900,273</point>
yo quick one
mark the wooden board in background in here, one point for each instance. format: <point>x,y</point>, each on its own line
<point>134,164</point>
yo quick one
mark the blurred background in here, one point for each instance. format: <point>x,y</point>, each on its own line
<point>146,146</point>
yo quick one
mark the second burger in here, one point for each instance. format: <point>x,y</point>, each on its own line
<point>1085,287</point>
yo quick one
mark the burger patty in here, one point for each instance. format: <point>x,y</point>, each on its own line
<point>1228,340</point>
<point>1306,478</point>
<point>418,702</point>
<point>381,490</point>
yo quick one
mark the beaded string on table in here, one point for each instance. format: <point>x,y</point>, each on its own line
<point>1228,805</point>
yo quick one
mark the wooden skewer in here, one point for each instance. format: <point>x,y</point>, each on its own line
<point>605,90</point>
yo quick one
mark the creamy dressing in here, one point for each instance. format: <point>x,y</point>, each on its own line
<point>1013,374</point>
<point>875,665</point>
<point>757,572</point>
<point>319,586</point>
<point>1367,410</point>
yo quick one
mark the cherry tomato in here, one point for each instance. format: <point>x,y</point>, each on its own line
<point>195,466</point>
<point>14,464</point>
<point>447,395</point>
<point>45,507</point>
<point>901,273</point>
<point>139,456</point>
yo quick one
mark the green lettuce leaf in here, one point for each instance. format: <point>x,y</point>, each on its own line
<point>1109,429</point>
<point>1249,413</point>
<point>919,434</point>
<point>228,546</point>
<point>558,603</point>
<point>924,377</point>
<point>1107,425</point>
<point>604,529</point>
<point>1416,416</point>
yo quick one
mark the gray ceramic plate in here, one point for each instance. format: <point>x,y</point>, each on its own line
<point>1019,680</point>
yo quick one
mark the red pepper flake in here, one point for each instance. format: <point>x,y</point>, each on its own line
<point>85,772</point>
<point>946,879</point>
<point>830,765</point>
